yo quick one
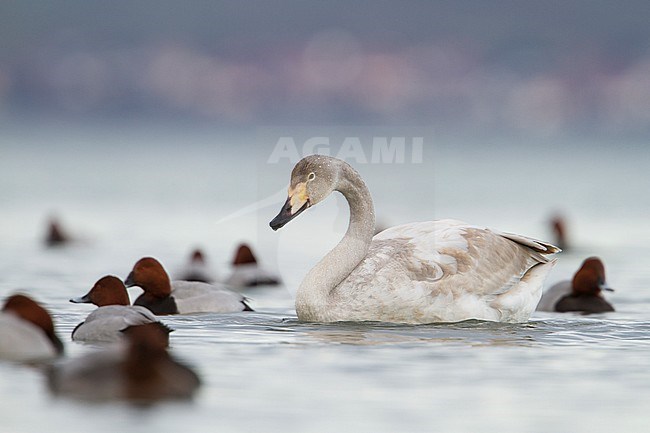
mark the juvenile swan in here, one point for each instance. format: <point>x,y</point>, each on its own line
<point>435,271</point>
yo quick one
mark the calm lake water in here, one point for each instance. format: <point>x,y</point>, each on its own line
<point>129,191</point>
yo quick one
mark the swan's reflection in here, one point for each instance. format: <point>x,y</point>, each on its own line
<point>468,333</point>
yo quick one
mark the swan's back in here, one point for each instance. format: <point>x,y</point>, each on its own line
<point>444,270</point>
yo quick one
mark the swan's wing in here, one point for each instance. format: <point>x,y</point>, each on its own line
<point>457,258</point>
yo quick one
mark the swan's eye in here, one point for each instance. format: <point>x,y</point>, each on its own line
<point>311,176</point>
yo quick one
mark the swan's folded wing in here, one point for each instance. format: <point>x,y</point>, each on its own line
<point>458,258</point>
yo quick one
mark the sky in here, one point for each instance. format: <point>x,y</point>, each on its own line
<point>545,67</point>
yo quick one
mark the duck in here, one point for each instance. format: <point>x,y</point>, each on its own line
<point>140,371</point>
<point>55,235</point>
<point>558,227</point>
<point>581,294</point>
<point>423,272</point>
<point>114,315</point>
<point>246,272</point>
<point>197,269</point>
<point>27,331</point>
<point>163,296</point>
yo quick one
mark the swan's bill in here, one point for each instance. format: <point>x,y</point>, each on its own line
<point>296,203</point>
<point>298,197</point>
<point>286,214</point>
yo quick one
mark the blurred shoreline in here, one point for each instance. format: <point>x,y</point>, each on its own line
<point>580,68</point>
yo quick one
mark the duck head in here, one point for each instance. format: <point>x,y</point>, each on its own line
<point>590,278</point>
<point>108,290</point>
<point>150,275</point>
<point>244,256</point>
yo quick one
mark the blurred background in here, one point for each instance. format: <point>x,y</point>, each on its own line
<point>154,124</point>
<point>550,67</point>
<point>152,127</point>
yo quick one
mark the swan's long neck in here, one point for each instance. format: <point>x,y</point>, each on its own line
<point>336,266</point>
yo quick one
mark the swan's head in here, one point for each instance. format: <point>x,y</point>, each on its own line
<point>312,180</point>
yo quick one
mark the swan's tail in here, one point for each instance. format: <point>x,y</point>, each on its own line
<point>534,244</point>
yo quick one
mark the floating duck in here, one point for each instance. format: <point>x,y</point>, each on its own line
<point>246,272</point>
<point>27,331</point>
<point>583,293</point>
<point>163,296</point>
<point>114,315</point>
<point>197,269</point>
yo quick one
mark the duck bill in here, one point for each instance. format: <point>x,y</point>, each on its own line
<point>130,280</point>
<point>605,287</point>
<point>85,299</point>
<point>288,212</point>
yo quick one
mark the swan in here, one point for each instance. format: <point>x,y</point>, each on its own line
<point>424,272</point>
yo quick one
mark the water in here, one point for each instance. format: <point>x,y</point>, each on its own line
<point>129,192</point>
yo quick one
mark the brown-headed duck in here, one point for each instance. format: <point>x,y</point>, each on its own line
<point>582,294</point>
<point>246,272</point>
<point>114,315</point>
<point>197,269</point>
<point>163,296</point>
<point>27,331</point>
